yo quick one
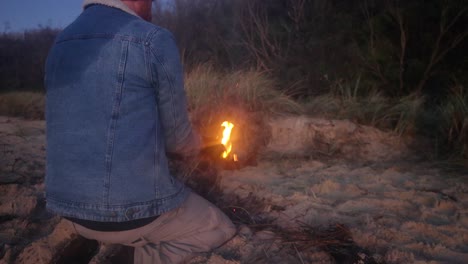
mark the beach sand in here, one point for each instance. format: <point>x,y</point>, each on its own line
<point>314,176</point>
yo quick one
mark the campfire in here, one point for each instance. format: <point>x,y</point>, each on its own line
<point>226,141</point>
<point>233,137</point>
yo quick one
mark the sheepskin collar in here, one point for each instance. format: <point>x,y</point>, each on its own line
<point>112,3</point>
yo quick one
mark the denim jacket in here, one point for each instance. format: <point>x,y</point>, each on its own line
<point>115,106</point>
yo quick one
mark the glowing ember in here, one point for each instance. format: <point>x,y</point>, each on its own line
<point>226,141</point>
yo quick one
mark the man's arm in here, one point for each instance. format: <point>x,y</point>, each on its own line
<point>168,78</point>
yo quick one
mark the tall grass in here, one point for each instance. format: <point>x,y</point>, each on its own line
<point>445,124</point>
<point>30,105</point>
<point>367,106</point>
<point>453,122</point>
<point>405,112</point>
<point>251,90</point>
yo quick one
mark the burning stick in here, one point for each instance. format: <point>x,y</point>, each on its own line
<point>226,140</point>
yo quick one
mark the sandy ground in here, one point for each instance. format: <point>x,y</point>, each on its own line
<point>396,210</point>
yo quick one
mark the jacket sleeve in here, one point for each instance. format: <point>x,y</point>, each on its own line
<point>168,78</point>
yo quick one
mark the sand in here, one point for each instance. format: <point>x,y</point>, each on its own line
<point>398,208</point>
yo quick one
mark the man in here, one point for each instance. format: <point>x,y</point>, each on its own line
<point>115,106</point>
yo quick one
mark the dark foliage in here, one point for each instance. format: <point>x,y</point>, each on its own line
<point>22,59</point>
<point>397,47</point>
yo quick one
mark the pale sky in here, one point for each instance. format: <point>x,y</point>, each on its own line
<point>18,15</point>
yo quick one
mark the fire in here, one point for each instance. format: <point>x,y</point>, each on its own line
<point>226,140</point>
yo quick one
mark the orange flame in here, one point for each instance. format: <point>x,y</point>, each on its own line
<point>226,140</point>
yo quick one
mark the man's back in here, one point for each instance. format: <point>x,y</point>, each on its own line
<point>115,105</point>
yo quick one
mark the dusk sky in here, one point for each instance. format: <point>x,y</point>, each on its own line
<point>27,14</point>
<point>19,15</point>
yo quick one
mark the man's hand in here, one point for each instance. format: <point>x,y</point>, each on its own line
<point>212,152</point>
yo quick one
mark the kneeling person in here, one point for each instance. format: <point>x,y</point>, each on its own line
<point>115,106</point>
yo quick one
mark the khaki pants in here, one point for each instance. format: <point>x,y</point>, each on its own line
<point>196,226</point>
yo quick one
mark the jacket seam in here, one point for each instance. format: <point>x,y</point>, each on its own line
<point>148,44</point>
<point>171,86</point>
<point>149,71</point>
<point>114,118</point>
<point>101,36</point>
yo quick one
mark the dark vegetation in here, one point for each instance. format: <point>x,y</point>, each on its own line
<point>399,65</point>
<point>22,59</point>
